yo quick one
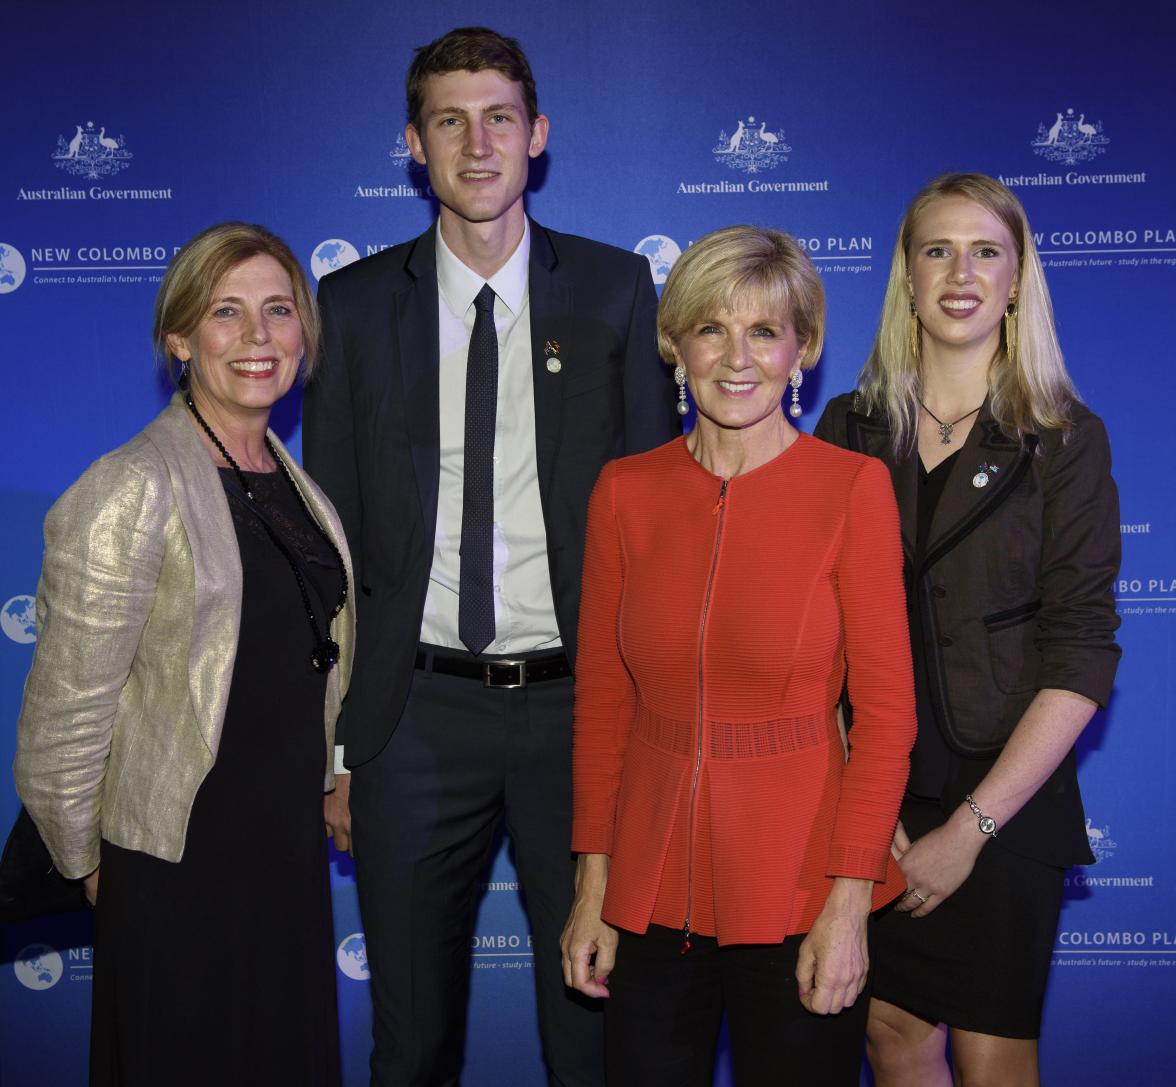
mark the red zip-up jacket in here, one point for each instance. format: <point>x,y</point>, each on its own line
<point>717,624</point>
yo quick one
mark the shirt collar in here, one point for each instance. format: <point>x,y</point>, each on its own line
<point>459,284</point>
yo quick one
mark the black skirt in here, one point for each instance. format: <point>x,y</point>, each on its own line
<point>980,961</point>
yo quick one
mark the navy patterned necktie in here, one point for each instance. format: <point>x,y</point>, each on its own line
<point>475,608</point>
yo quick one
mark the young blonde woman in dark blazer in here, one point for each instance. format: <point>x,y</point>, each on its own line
<point>1010,532</point>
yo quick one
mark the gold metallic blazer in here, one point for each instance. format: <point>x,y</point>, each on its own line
<point>138,614</point>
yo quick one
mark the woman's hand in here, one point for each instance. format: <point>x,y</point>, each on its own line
<point>901,842</point>
<point>90,884</point>
<point>588,946</point>
<point>337,812</point>
<point>833,960</point>
<point>937,864</point>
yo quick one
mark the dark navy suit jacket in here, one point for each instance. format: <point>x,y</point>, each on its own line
<point>371,426</point>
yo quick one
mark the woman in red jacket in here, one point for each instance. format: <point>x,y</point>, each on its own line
<point>734,580</point>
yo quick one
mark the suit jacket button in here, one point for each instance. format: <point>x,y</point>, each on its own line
<point>939,591</point>
<point>945,641</point>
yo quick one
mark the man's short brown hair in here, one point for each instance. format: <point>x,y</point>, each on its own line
<point>469,49</point>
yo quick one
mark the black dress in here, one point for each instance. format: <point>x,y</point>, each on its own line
<point>980,960</point>
<point>219,969</point>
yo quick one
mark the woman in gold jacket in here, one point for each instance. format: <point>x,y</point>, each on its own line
<point>195,639</point>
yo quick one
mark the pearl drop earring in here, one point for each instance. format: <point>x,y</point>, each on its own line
<point>796,380</point>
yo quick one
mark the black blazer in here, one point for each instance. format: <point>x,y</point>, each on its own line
<point>371,425</point>
<point>1015,593</point>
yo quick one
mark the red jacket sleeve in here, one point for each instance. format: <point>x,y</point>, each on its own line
<point>605,696</point>
<point>881,683</point>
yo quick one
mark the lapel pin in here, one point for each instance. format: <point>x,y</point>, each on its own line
<point>551,350</point>
<point>980,479</point>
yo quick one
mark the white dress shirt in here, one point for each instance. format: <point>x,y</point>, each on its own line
<point>524,608</point>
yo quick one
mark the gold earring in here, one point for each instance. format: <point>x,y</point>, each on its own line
<point>1010,332</point>
<point>913,332</point>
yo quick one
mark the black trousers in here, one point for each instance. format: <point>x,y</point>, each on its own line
<point>665,1008</point>
<point>424,816</point>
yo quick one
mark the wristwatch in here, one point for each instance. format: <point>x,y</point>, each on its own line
<point>986,823</point>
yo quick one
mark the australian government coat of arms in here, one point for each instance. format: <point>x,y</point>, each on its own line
<point>751,147</point>
<point>91,153</point>
<point>1068,140</point>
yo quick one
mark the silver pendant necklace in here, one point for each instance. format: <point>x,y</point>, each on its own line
<point>945,429</point>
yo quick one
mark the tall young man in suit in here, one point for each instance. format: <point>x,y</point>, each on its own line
<point>474,381</point>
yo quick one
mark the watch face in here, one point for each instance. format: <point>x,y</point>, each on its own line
<point>987,824</point>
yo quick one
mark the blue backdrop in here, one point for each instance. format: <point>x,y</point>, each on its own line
<point>127,133</point>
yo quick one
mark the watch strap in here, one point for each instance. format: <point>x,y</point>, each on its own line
<point>986,823</point>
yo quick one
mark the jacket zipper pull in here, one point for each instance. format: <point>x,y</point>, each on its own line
<point>685,939</point>
<point>722,498</point>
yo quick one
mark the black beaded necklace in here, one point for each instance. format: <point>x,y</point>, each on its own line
<point>325,654</point>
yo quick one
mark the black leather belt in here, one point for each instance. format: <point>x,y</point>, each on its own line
<point>500,674</point>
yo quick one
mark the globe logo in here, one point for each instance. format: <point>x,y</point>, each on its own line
<point>661,252</point>
<point>37,966</point>
<point>12,268</point>
<point>331,255</point>
<point>18,619</point>
<point>352,957</point>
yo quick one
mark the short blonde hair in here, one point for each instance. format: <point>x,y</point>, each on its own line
<point>1031,393</point>
<point>739,266</point>
<point>196,270</point>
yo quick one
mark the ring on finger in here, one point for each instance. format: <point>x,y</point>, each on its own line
<point>915,894</point>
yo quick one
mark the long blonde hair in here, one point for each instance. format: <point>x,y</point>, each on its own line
<point>1032,393</point>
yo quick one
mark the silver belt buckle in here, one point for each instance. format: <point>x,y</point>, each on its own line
<point>520,677</point>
